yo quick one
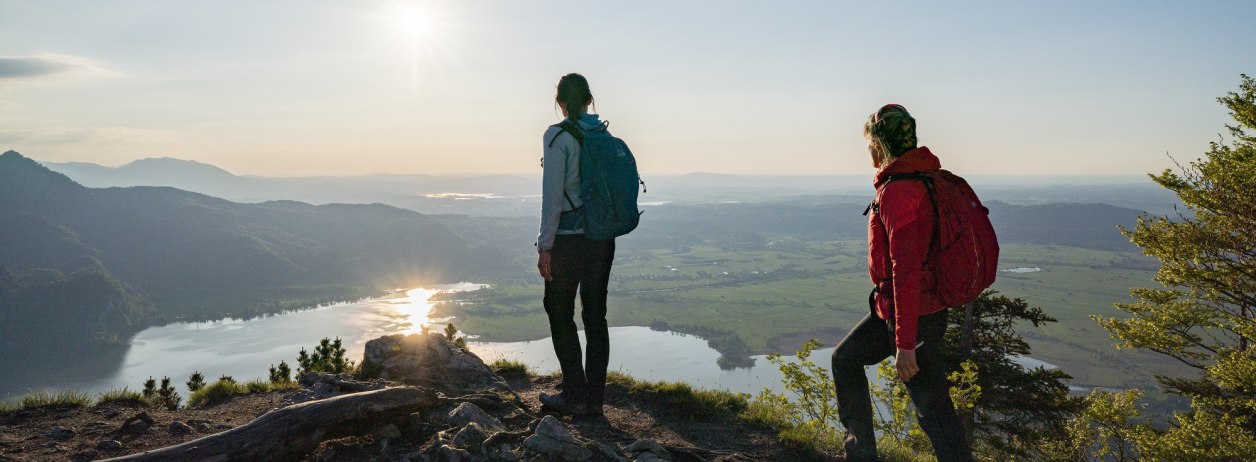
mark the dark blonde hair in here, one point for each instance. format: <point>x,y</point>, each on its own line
<point>891,132</point>
<point>573,94</point>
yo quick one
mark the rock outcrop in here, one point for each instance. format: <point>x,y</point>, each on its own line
<point>429,360</point>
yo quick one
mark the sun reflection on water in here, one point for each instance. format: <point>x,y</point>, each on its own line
<point>416,306</point>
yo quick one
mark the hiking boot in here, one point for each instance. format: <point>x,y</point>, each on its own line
<point>563,404</point>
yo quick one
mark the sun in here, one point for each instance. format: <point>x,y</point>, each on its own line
<point>415,31</point>
<point>411,23</point>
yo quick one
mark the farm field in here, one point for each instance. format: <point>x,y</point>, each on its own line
<point>751,301</point>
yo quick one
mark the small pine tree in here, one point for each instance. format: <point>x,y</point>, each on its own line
<point>168,394</point>
<point>226,378</point>
<point>196,382</point>
<point>451,334</point>
<point>328,356</point>
<point>165,396</point>
<point>281,374</point>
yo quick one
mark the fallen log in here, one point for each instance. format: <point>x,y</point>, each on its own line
<point>294,431</point>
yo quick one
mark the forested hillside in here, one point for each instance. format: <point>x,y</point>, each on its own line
<point>81,265</point>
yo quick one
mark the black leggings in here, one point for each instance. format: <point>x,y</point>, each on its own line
<point>870,342</point>
<point>577,263</point>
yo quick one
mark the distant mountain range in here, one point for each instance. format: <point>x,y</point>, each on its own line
<point>517,194</point>
<point>82,266</point>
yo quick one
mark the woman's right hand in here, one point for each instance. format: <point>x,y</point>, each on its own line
<point>543,265</point>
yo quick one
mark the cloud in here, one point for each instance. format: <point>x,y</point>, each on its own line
<point>43,66</point>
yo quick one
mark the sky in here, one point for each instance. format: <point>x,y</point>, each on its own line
<point>313,87</point>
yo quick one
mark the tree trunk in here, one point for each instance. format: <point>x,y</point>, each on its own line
<point>294,431</point>
<point>966,332</point>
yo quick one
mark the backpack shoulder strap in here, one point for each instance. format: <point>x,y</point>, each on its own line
<point>570,127</point>
<point>927,179</point>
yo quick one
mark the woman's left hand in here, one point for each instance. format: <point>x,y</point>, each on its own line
<point>905,363</point>
<point>543,265</point>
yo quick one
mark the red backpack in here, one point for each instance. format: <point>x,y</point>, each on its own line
<point>964,252</point>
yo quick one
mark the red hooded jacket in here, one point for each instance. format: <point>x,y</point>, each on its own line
<point>899,231</point>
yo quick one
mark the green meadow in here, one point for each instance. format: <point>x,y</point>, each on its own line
<point>774,297</point>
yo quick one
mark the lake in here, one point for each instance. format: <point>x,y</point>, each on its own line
<point>245,349</point>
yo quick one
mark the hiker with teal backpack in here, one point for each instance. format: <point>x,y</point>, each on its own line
<point>930,246</point>
<point>589,197</point>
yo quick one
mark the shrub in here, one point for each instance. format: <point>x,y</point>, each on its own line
<point>122,395</point>
<point>810,420</point>
<point>900,425</point>
<point>215,393</point>
<point>221,390</point>
<point>45,398</point>
<point>510,368</point>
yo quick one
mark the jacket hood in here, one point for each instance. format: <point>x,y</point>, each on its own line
<point>590,121</point>
<point>915,160</point>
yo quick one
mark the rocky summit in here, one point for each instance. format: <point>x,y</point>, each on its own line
<point>416,398</point>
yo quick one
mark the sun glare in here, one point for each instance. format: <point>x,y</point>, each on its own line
<point>415,32</point>
<point>411,23</point>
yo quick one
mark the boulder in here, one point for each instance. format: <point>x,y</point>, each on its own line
<point>467,413</point>
<point>556,442</point>
<point>451,454</point>
<point>432,361</point>
<point>648,450</point>
<point>179,428</point>
<point>60,433</point>
<point>470,437</point>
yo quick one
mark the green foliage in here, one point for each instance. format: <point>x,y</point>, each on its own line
<point>122,395</point>
<point>1014,408</point>
<point>328,356</point>
<point>896,416</point>
<point>1205,313</point>
<point>281,374</point>
<point>221,390</point>
<point>164,396</point>
<point>45,398</point>
<point>892,450</point>
<point>1103,430</point>
<point>810,419</point>
<point>682,398</point>
<point>215,393</point>
<point>1199,435</point>
<point>195,382</point>
<point>451,334</point>
<point>510,368</point>
<point>225,378</point>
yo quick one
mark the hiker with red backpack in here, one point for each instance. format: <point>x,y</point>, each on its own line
<point>588,197</point>
<point>930,246</point>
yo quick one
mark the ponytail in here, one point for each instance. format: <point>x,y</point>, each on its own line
<point>573,94</point>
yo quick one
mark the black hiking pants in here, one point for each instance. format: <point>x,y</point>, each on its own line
<point>870,342</point>
<point>578,264</point>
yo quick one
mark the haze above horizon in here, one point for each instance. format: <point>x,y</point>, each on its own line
<point>444,87</point>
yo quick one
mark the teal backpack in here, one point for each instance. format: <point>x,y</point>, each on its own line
<point>608,182</point>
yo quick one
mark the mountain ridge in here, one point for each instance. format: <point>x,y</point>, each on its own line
<point>87,266</point>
